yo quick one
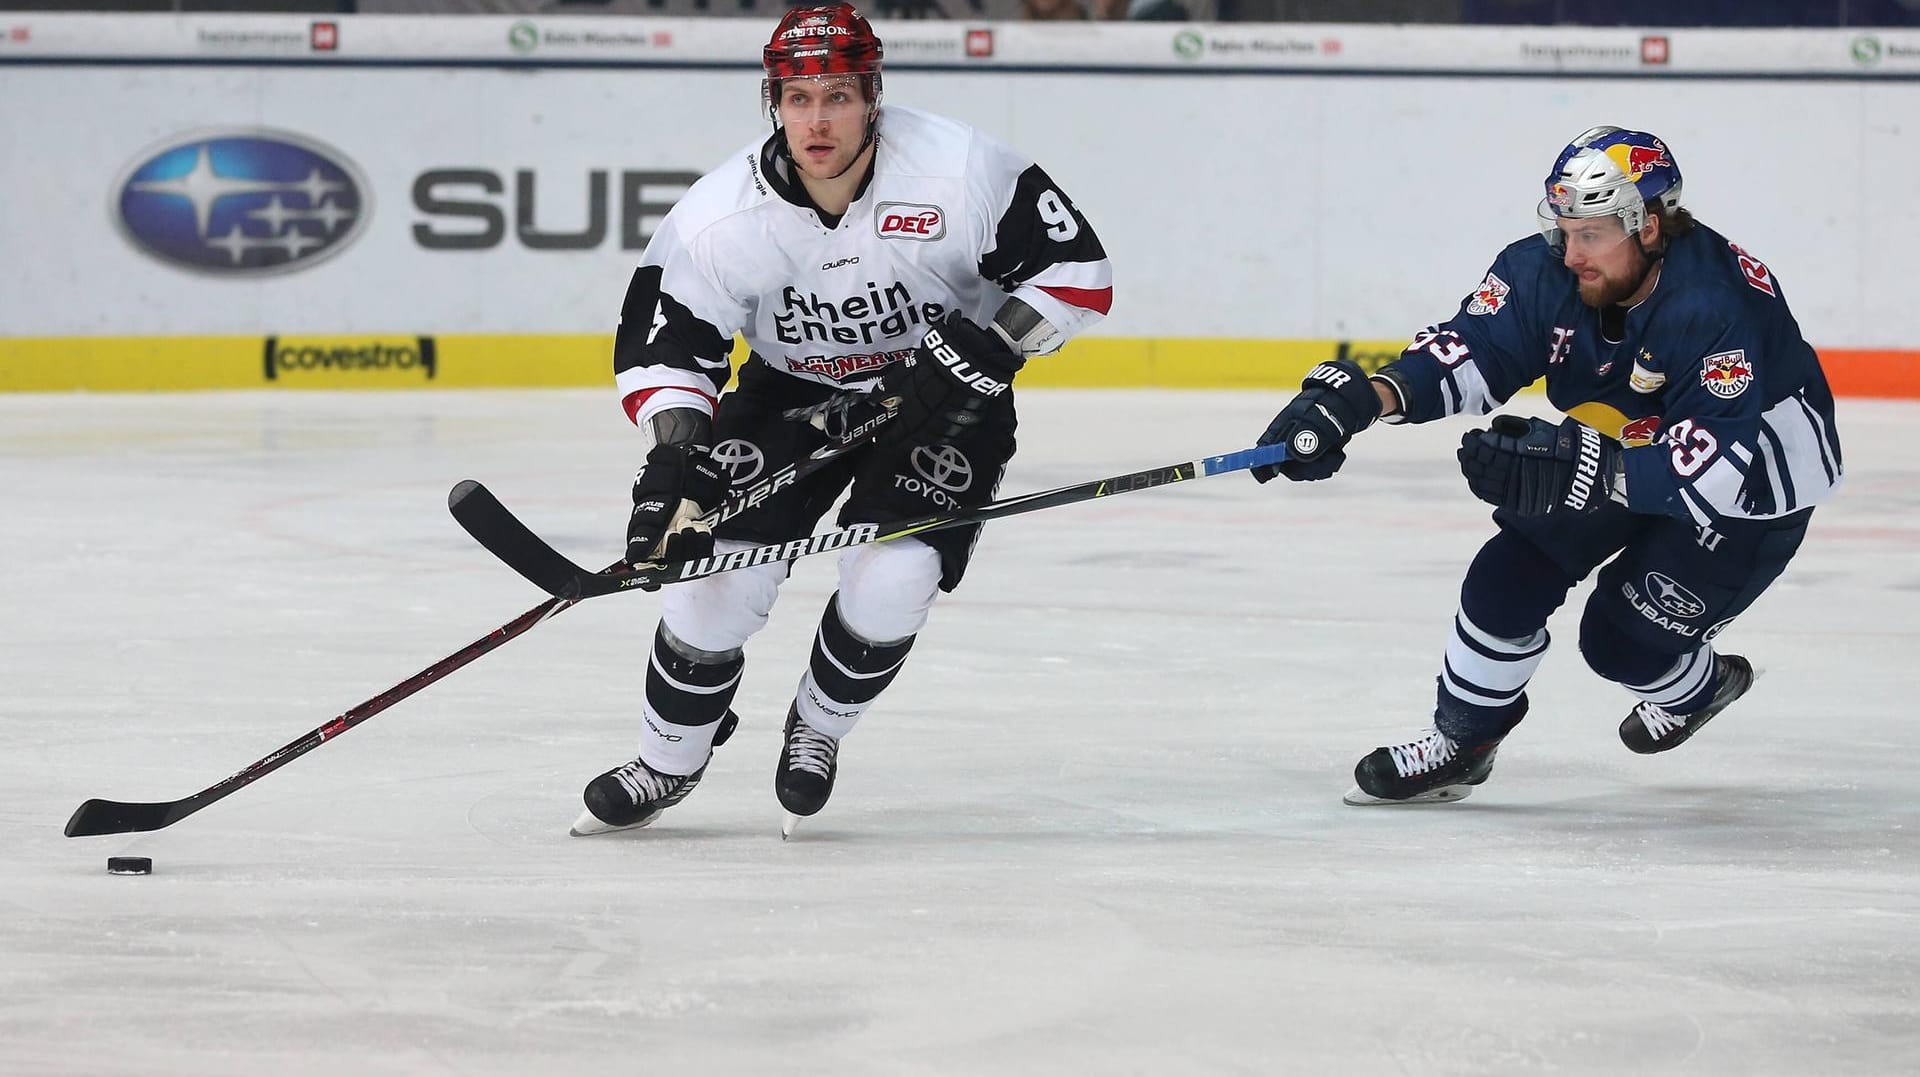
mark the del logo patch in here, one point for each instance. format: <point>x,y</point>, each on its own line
<point>1489,297</point>
<point>1727,374</point>
<point>908,220</point>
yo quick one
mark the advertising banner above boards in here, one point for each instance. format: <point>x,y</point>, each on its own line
<point>577,40</point>
<point>208,203</point>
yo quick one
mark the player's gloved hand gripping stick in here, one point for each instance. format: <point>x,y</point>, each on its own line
<point>1335,402</point>
<point>670,518</point>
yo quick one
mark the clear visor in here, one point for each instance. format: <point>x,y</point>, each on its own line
<point>1586,236</point>
<point>820,97</point>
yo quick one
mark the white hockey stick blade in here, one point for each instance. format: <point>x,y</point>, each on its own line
<point>1446,794</point>
<point>590,824</point>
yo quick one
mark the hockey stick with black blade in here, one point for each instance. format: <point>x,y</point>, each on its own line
<point>118,817</point>
<point>98,816</point>
<point>502,533</point>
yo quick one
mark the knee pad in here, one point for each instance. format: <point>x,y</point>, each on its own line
<point>1618,655</point>
<point>887,589</point>
<point>719,613</point>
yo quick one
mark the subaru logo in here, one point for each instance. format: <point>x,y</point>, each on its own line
<point>242,202</point>
<point>1673,598</point>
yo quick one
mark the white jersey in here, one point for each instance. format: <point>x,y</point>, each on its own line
<point>949,219</point>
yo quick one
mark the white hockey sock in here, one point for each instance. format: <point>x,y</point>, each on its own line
<point>1485,670</point>
<point>1681,682</point>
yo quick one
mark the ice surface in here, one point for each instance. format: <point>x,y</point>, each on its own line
<point>1095,828</point>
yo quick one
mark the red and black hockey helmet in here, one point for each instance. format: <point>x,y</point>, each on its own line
<point>833,39</point>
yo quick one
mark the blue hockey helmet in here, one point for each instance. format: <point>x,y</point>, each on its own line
<point>1609,172</point>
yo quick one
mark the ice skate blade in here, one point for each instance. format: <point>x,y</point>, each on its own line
<point>1446,794</point>
<point>590,824</point>
<point>789,824</point>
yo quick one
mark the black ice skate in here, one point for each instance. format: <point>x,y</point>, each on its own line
<point>634,794</point>
<point>807,766</point>
<point>1649,728</point>
<point>1430,770</point>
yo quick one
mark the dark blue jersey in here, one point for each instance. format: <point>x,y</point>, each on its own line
<point>1721,403</point>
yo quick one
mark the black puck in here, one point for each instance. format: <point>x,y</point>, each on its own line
<point>129,865</point>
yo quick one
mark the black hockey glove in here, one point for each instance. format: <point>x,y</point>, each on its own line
<point>1335,402</point>
<point>947,385</point>
<point>678,485</point>
<point>931,397</point>
<point>1535,467</point>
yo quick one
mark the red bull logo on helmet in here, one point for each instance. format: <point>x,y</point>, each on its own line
<point>1637,161</point>
<point>1727,374</point>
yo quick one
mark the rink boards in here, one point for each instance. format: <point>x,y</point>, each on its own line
<point>392,361</point>
<point>460,201</point>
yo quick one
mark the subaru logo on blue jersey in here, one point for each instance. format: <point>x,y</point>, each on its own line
<point>242,202</point>
<point>1672,597</point>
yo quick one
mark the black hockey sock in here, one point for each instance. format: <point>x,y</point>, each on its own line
<point>684,690</point>
<point>845,673</point>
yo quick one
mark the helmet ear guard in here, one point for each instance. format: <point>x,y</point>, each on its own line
<point>1609,172</point>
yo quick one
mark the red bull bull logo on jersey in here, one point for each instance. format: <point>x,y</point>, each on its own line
<point>1489,297</point>
<point>1727,374</point>
<point>1640,431</point>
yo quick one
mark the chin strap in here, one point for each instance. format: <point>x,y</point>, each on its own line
<point>1653,258</point>
<point>873,126</point>
<point>856,156</point>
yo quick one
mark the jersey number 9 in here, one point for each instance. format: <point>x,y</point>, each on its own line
<point>1060,223</point>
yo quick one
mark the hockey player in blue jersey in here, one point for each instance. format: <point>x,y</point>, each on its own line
<point>1700,436</point>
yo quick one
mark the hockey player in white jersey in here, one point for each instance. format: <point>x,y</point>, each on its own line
<point>882,264</point>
